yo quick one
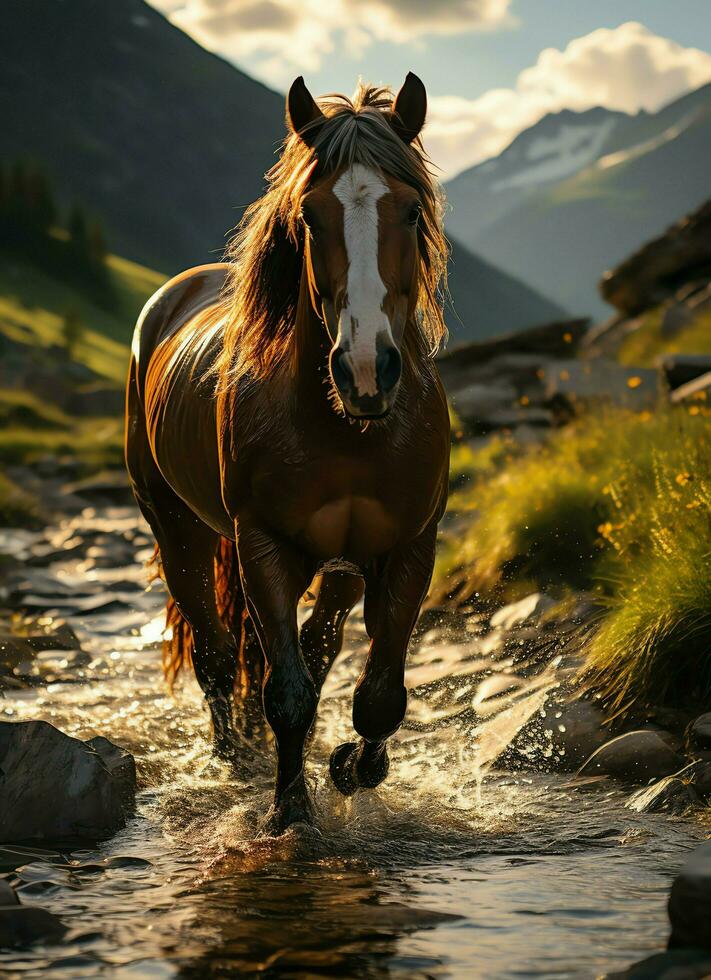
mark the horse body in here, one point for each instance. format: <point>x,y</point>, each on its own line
<point>270,460</point>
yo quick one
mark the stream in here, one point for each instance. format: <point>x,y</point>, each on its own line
<point>450,869</point>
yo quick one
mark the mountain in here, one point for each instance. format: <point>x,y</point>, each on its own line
<point>577,192</point>
<point>137,122</point>
<point>487,302</point>
<point>166,143</point>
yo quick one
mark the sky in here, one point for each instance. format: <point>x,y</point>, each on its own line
<point>492,67</point>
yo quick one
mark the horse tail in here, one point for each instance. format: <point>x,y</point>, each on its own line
<point>232,609</point>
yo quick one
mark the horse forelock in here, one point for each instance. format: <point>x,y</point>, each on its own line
<point>266,253</point>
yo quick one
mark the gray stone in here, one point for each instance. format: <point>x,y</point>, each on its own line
<point>22,925</point>
<point>7,894</point>
<point>690,902</point>
<point>636,757</point>
<point>670,795</point>
<point>53,787</point>
<point>701,731</point>
<point>520,612</point>
<point>676,964</point>
<point>577,730</point>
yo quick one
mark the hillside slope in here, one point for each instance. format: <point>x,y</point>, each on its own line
<point>487,302</point>
<point>137,122</point>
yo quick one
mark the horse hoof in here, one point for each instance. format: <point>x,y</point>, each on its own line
<point>342,768</point>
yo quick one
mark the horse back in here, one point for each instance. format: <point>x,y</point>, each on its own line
<point>171,308</point>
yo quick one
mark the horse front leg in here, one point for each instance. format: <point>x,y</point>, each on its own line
<point>274,578</point>
<point>392,604</point>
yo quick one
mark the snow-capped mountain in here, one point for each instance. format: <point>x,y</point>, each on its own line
<point>575,193</point>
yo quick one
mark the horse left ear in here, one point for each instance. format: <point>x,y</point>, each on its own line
<point>302,111</point>
<point>410,108</point>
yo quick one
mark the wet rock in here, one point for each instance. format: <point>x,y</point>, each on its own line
<point>653,273</point>
<point>636,757</point>
<point>7,894</point>
<point>520,612</point>
<point>690,902</point>
<point>55,787</point>
<point>678,964</point>
<point>22,925</point>
<point>577,729</point>
<point>12,857</point>
<point>670,795</point>
<point>700,731</point>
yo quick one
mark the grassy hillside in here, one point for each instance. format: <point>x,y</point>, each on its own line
<point>33,307</point>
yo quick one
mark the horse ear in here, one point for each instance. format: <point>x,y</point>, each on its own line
<point>302,112</point>
<point>410,108</point>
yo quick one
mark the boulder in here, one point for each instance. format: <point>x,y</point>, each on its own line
<point>7,894</point>
<point>700,731</point>
<point>54,787</point>
<point>22,925</point>
<point>658,269</point>
<point>558,737</point>
<point>676,964</point>
<point>690,902</point>
<point>577,729</point>
<point>635,757</point>
<point>670,795</point>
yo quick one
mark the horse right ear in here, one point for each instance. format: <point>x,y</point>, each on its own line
<point>302,112</point>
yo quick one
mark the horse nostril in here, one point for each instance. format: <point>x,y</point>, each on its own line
<point>388,366</point>
<point>341,371</point>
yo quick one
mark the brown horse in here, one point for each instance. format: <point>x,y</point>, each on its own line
<point>285,420</point>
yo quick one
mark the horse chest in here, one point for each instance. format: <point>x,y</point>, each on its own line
<point>339,507</point>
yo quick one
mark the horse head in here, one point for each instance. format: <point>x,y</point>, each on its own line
<point>361,254</point>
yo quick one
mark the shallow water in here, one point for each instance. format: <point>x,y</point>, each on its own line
<point>448,870</point>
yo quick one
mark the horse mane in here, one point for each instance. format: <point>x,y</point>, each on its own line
<point>266,253</point>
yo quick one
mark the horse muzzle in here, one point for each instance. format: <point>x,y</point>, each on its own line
<point>368,389</point>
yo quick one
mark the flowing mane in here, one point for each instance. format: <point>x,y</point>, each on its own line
<point>266,253</point>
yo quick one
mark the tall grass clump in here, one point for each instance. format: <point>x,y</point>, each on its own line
<point>654,644</point>
<point>620,504</point>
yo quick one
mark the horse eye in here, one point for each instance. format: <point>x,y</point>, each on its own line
<point>414,214</point>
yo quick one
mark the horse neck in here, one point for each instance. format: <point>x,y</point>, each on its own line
<point>310,350</point>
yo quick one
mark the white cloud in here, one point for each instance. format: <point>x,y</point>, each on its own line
<point>626,68</point>
<point>286,37</point>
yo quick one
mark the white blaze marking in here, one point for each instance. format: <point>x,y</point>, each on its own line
<point>359,189</point>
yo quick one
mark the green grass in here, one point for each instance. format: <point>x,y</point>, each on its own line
<point>96,443</point>
<point>17,507</point>
<point>32,310</point>
<point>619,504</point>
<point>33,305</point>
<point>642,347</point>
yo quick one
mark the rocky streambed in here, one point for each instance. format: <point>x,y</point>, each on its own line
<point>515,836</point>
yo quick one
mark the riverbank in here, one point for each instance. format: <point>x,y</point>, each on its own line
<point>462,857</point>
